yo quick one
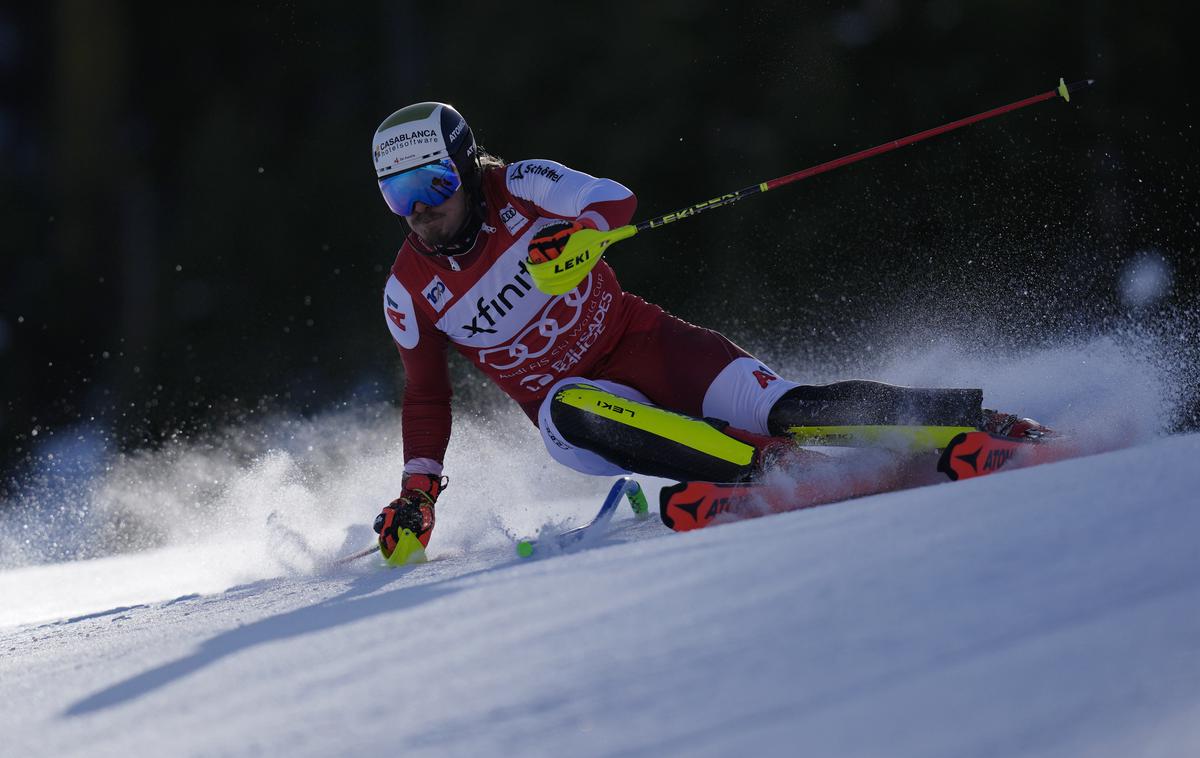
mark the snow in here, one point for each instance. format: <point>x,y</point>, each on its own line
<point>1051,611</point>
<point>1048,611</point>
<point>1145,279</point>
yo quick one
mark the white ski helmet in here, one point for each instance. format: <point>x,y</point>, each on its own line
<point>419,134</point>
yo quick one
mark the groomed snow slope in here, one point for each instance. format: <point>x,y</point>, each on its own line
<point>1049,611</point>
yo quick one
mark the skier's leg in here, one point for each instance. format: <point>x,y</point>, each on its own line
<point>576,453</point>
<point>700,372</point>
<point>744,392</point>
<point>679,368</point>
<point>748,395</point>
<point>692,370</point>
<point>601,427</point>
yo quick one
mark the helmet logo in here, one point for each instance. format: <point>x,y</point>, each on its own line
<point>419,133</point>
<point>405,139</point>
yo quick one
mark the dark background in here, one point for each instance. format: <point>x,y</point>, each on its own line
<point>191,231</point>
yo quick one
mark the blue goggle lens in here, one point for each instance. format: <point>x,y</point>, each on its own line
<point>431,184</point>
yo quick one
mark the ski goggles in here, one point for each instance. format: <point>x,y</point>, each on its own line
<point>431,184</point>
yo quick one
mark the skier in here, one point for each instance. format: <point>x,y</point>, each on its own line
<point>615,384</point>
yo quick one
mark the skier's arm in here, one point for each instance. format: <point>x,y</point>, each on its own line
<point>553,190</point>
<point>425,414</point>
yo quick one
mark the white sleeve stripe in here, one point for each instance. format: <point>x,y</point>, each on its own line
<point>598,220</point>
<point>601,191</point>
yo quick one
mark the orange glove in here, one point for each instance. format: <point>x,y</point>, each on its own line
<point>411,512</point>
<point>550,240</point>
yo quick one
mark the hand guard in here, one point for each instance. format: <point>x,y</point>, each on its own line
<point>550,240</point>
<point>405,525</point>
<point>563,253</point>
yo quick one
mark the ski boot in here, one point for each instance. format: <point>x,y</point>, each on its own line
<point>1012,426</point>
<point>775,454</point>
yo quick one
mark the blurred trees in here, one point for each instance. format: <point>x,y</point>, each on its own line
<point>192,230</point>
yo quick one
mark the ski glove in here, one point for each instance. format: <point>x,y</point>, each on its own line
<point>405,525</point>
<point>563,253</point>
<point>550,240</point>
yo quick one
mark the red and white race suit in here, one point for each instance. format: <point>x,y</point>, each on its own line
<point>484,302</point>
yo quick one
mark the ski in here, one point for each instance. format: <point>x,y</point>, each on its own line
<point>694,505</point>
<point>974,454</point>
<point>582,536</point>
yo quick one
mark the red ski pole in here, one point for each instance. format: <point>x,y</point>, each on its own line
<point>1063,90</point>
<point>585,247</point>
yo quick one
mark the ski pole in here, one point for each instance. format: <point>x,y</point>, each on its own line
<point>594,242</point>
<point>1063,90</point>
<point>355,556</point>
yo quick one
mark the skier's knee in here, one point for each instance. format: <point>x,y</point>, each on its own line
<point>646,439</point>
